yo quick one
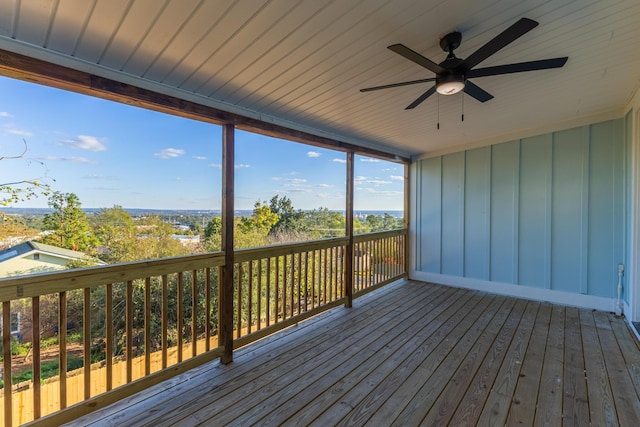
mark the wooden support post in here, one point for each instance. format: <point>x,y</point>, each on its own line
<point>35,351</point>
<point>348,256</point>
<point>6,372</point>
<point>405,222</point>
<point>225,287</point>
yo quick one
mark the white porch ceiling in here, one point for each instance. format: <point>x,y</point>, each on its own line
<point>300,63</point>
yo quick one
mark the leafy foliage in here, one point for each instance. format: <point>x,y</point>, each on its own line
<point>68,223</point>
<point>22,189</point>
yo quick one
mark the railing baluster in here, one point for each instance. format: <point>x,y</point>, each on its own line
<point>109,332</point>
<point>268,290</point>
<point>165,319</point>
<point>313,279</point>
<point>35,349</point>
<point>299,281</point>
<point>259,295</point>
<point>128,322</point>
<point>6,363</point>
<point>147,325</point>
<point>306,280</point>
<point>194,312</point>
<point>62,345</point>
<point>86,339</point>
<point>284,286</point>
<point>180,314</point>
<point>277,290</point>
<point>239,307</point>
<point>326,276</point>
<point>334,274</point>
<point>250,297</point>
<point>292,282</point>
<point>207,309</point>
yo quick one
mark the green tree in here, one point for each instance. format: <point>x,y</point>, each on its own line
<point>289,221</point>
<point>116,231</point>
<point>261,220</point>
<point>212,235</point>
<point>68,223</point>
<point>213,227</point>
<point>325,223</point>
<point>155,240</point>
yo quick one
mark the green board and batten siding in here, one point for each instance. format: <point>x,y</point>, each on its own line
<point>548,211</point>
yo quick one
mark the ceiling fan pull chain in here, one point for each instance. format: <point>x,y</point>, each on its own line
<point>462,118</point>
<point>438,126</point>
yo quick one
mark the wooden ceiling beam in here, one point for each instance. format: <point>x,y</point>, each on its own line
<point>42,72</point>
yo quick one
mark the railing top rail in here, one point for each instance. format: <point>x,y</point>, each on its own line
<point>242,255</point>
<point>379,235</point>
<point>46,283</point>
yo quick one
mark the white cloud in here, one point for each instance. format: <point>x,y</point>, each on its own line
<point>200,157</point>
<point>313,154</point>
<point>298,190</point>
<point>368,159</point>
<point>339,160</point>
<point>82,160</point>
<point>5,114</point>
<point>378,182</point>
<point>240,166</point>
<point>383,192</point>
<point>397,178</point>
<point>169,153</point>
<point>19,132</point>
<point>296,181</point>
<point>323,186</point>
<point>101,177</point>
<point>360,178</point>
<point>85,142</point>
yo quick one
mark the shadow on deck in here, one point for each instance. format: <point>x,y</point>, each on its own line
<point>412,353</point>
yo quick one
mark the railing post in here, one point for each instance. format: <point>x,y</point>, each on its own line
<point>348,256</point>
<point>225,287</point>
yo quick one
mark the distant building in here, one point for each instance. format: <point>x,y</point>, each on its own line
<point>33,257</point>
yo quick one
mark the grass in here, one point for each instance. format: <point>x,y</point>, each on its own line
<point>47,370</point>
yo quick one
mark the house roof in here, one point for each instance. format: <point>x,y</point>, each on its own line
<point>300,63</point>
<point>29,247</point>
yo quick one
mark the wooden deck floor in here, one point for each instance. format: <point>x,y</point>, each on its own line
<point>409,354</point>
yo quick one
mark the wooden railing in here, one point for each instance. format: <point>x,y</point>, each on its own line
<point>140,323</point>
<point>134,321</point>
<point>378,259</point>
<point>277,286</point>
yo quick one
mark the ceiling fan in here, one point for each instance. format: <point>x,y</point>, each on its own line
<point>453,73</point>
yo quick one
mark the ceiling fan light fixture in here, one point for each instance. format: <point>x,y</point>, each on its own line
<point>450,84</point>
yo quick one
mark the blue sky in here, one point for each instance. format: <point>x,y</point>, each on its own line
<point>114,154</point>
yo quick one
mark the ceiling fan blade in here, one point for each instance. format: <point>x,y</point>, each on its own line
<point>416,57</point>
<point>412,82</point>
<point>517,30</point>
<point>544,64</point>
<point>422,97</point>
<point>475,91</point>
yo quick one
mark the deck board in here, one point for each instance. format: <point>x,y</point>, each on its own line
<point>412,353</point>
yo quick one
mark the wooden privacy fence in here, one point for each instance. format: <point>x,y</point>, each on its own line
<point>139,323</point>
